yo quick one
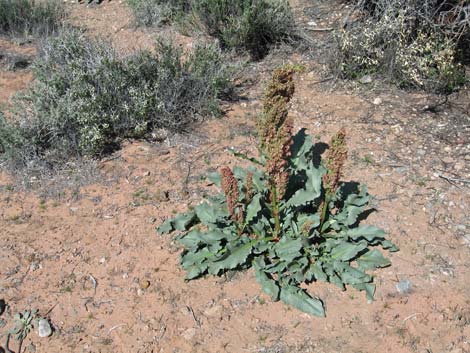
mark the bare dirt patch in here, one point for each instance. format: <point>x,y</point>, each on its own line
<point>93,260</point>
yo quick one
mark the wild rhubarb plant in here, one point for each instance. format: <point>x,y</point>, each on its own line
<point>289,215</point>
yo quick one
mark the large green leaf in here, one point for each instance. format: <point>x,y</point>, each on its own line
<point>299,299</point>
<point>215,235</point>
<point>181,222</point>
<point>368,232</point>
<point>315,272</point>
<point>288,249</point>
<point>209,214</point>
<point>300,198</point>
<point>369,288</point>
<point>301,150</point>
<point>253,208</point>
<point>232,259</point>
<point>268,285</point>
<point>351,275</point>
<point>345,251</point>
<point>190,240</point>
<point>215,178</point>
<point>372,259</point>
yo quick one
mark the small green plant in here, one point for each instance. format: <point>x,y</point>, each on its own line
<point>30,17</point>
<point>288,215</point>
<point>24,323</point>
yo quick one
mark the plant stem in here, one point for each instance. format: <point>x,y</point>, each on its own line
<point>276,211</point>
<point>324,209</point>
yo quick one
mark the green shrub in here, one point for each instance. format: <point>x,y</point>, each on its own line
<point>403,41</point>
<point>158,12</point>
<point>289,216</point>
<point>30,17</point>
<point>85,98</point>
<point>251,25</point>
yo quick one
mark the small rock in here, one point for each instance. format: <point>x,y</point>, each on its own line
<point>144,284</point>
<point>312,23</point>
<point>404,286</point>
<point>366,79</point>
<point>189,333</point>
<point>102,260</point>
<point>377,101</point>
<point>44,328</point>
<point>35,266</point>
<point>140,292</point>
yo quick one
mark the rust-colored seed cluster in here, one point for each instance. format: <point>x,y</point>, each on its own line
<point>276,127</point>
<point>230,188</point>
<point>335,158</point>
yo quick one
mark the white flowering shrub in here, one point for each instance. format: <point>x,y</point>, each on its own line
<point>396,42</point>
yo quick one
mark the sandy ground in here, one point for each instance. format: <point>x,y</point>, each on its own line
<point>92,261</point>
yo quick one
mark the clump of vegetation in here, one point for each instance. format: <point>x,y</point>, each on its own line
<point>30,17</point>
<point>413,43</point>
<point>158,12</point>
<point>289,216</point>
<point>251,25</point>
<point>86,98</point>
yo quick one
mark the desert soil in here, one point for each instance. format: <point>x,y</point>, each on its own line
<point>89,258</point>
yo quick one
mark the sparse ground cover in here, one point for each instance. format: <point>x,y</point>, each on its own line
<point>90,261</point>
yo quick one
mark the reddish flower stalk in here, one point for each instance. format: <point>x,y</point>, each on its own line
<point>230,188</point>
<point>335,158</point>
<point>275,130</point>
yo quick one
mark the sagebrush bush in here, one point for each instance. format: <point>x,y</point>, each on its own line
<point>251,25</point>
<point>158,12</point>
<point>403,41</point>
<point>86,98</point>
<point>30,17</point>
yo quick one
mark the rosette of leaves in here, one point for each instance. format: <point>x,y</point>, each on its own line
<point>292,230</point>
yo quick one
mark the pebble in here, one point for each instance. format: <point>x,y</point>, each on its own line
<point>144,284</point>
<point>44,328</point>
<point>404,286</point>
<point>377,101</point>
